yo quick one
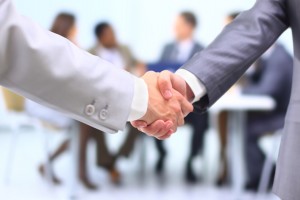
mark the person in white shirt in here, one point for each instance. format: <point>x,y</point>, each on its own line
<point>178,52</point>
<point>50,70</point>
<point>108,48</point>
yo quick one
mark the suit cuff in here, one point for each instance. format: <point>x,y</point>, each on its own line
<point>195,84</point>
<point>139,103</point>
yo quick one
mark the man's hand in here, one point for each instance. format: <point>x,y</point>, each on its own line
<point>165,115</point>
<point>171,87</point>
<point>168,81</point>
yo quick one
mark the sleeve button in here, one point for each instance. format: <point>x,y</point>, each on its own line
<point>103,114</point>
<point>90,110</point>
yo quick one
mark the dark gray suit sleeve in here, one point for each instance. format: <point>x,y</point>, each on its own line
<point>220,65</point>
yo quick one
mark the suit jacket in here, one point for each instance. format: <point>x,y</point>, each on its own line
<point>50,70</point>
<point>125,52</point>
<point>168,52</point>
<point>220,65</point>
<point>274,78</point>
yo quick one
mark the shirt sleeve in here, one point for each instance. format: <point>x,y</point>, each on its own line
<point>139,104</point>
<point>195,84</point>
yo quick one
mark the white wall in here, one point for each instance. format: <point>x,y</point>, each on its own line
<point>145,25</point>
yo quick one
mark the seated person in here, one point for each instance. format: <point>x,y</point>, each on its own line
<point>65,25</point>
<point>180,51</point>
<point>272,76</point>
<point>109,49</point>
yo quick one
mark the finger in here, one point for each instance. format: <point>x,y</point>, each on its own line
<point>166,136</point>
<point>139,124</point>
<point>154,128</point>
<point>165,130</point>
<point>186,107</point>
<point>180,119</point>
<point>174,127</point>
<point>165,84</point>
<point>178,84</point>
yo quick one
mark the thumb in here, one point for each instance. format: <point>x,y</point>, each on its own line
<point>139,124</point>
<point>165,84</point>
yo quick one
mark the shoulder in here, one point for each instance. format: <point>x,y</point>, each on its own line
<point>168,48</point>
<point>124,48</point>
<point>169,45</point>
<point>93,50</point>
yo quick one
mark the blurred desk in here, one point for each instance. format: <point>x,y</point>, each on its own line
<point>237,106</point>
<point>161,66</point>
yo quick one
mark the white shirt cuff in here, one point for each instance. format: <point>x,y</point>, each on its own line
<point>139,103</point>
<point>195,84</point>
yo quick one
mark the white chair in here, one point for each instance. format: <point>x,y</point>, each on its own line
<point>15,113</point>
<point>50,121</point>
<point>270,145</point>
<point>12,116</point>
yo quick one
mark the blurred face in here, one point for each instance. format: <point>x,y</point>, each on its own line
<point>108,38</point>
<point>72,36</point>
<point>183,30</point>
<point>228,20</point>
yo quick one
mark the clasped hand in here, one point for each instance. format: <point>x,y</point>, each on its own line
<point>168,105</point>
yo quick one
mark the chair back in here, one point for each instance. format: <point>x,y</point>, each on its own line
<point>13,101</point>
<point>270,144</point>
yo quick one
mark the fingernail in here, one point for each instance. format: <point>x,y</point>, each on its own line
<point>168,94</point>
<point>142,126</point>
<point>169,125</point>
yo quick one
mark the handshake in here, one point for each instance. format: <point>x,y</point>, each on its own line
<point>168,104</point>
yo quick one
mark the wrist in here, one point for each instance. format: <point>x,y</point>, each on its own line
<point>189,93</point>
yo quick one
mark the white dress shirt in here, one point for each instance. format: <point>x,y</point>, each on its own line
<point>184,49</point>
<point>113,56</point>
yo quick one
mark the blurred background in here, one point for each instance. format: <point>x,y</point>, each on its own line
<point>227,153</point>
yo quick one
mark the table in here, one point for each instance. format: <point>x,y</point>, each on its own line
<point>237,105</point>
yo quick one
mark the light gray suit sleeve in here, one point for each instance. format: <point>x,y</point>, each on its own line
<point>50,70</point>
<point>220,65</point>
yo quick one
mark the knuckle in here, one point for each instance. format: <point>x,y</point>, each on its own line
<point>177,109</point>
<point>182,122</point>
<point>191,108</point>
<point>165,72</point>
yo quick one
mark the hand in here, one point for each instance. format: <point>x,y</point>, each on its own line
<point>169,85</point>
<point>168,81</point>
<point>169,113</point>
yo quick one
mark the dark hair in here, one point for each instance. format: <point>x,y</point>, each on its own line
<point>190,18</point>
<point>100,28</point>
<point>233,15</point>
<point>63,23</point>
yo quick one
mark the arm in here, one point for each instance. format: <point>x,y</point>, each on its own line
<point>220,65</point>
<point>50,70</point>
